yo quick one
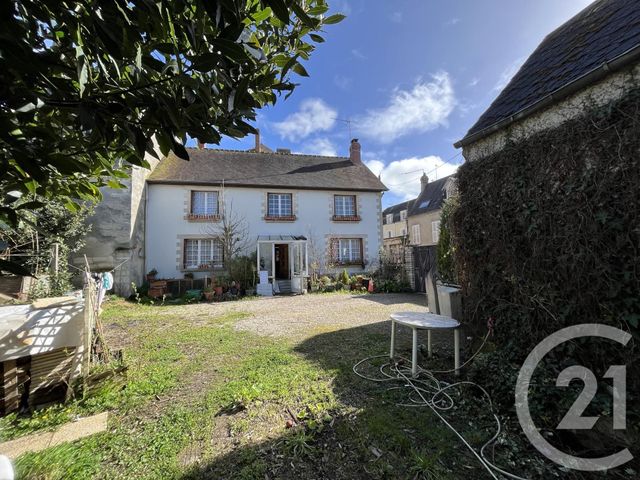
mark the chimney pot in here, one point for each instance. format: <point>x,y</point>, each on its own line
<point>424,180</point>
<point>258,147</point>
<point>354,151</point>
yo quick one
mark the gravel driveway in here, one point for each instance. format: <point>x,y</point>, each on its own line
<point>303,316</point>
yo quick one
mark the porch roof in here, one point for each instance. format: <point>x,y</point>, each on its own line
<point>281,238</point>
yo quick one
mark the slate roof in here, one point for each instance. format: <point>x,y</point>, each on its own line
<point>600,33</point>
<point>395,210</point>
<point>431,198</point>
<point>271,169</point>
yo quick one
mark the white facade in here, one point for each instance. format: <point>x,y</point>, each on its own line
<point>168,225</point>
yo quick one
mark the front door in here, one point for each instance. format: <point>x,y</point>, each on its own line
<point>282,261</point>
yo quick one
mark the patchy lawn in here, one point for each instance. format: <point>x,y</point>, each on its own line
<point>258,389</point>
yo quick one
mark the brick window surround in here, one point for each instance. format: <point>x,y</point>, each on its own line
<point>345,208</point>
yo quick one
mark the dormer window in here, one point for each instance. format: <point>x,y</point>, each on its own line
<point>389,218</point>
<point>403,215</point>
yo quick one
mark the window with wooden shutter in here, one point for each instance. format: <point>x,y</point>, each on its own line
<point>415,235</point>
<point>435,231</point>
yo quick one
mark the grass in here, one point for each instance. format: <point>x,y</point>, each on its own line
<point>203,400</point>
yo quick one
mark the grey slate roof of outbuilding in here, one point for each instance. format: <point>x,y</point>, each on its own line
<point>250,169</point>
<point>601,32</point>
<point>431,198</point>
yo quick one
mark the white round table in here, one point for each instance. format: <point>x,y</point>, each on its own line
<point>424,321</point>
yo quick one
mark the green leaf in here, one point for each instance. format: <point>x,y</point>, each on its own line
<point>338,17</point>
<point>316,38</point>
<point>263,14</point>
<point>280,9</point>
<point>300,70</point>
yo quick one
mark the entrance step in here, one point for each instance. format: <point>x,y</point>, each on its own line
<point>284,286</point>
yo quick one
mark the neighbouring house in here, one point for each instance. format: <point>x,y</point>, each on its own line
<point>423,222</point>
<point>417,222</point>
<point>295,212</point>
<point>411,229</point>
<point>394,228</point>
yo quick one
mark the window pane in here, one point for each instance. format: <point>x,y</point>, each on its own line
<point>191,253</point>
<point>279,205</point>
<point>349,250</point>
<point>204,203</point>
<point>345,205</point>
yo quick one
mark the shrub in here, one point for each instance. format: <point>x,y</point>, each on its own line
<point>546,236</point>
<point>344,277</point>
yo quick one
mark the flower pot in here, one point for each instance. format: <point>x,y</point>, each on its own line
<point>218,290</point>
<point>209,295</point>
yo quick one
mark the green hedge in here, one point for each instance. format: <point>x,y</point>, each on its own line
<point>547,234</point>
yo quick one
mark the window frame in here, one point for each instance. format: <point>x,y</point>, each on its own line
<point>389,215</point>
<point>278,216</point>
<point>202,263</point>
<point>403,215</point>
<point>215,215</point>
<point>349,217</point>
<point>337,251</point>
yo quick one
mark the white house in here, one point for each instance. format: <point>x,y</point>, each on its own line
<point>296,209</point>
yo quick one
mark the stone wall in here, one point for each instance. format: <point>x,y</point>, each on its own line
<point>117,232</point>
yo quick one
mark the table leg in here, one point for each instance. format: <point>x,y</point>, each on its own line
<point>414,354</point>
<point>429,342</point>
<point>456,346</point>
<point>392,350</point>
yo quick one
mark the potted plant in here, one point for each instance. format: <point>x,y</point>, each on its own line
<point>217,287</point>
<point>209,293</point>
<point>152,274</point>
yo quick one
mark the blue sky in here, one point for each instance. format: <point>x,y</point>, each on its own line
<point>411,76</point>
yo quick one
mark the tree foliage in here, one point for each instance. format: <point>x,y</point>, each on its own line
<point>86,85</point>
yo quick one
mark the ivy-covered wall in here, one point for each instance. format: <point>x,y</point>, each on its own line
<point>547,234</point>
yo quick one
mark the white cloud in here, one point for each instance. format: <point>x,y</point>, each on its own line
<point>314,115</point>
<point>320,146</point>
<point>474,81</point>
<point>451,22</point>
<point>402,177</point>
<point>423,108</point>
<point>396,17</point>
<point>358,54</point>
<point>508,73</point>
<point>342,82</point>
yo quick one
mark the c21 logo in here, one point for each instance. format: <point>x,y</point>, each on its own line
<point>573,418</point>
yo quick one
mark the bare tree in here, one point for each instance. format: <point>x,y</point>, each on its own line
<point>232,231</point>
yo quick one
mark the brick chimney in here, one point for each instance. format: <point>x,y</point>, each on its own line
<point>258,147</point>
<point>423,181</point>
<point>200,145</point>
<point>354,151</point>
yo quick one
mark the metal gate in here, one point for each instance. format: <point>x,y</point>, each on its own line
<point>424,259</point>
